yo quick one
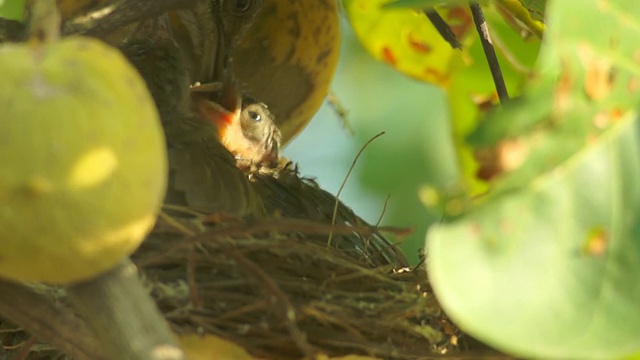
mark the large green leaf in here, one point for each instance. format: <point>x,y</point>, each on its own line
<point>547,264</point>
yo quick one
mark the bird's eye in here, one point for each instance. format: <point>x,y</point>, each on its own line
<point>255,116</point>
<point>240,6</point>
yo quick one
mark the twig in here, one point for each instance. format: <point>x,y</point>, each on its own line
<point>377,225</point>
<point>196,299</point>
<point>25,349</point>
<point>489,51</point>
<point>423,258</point>
<point>442,27</point>
<point>384,210</point>
<point>344,182</point>
<point>175,224</point>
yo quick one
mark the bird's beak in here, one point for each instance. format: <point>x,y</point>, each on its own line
<point>230,97</point>
<point>223,112</point>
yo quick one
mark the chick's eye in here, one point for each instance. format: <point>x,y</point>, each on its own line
<point>255,116</point>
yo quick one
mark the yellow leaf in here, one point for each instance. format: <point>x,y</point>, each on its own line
<point>406,40</point>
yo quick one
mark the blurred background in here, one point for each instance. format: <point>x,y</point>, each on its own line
<point>415,152</point>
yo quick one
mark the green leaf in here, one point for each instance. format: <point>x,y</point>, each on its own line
<point>12,9</point>
<point>551,271</point>
<point>546,265</point>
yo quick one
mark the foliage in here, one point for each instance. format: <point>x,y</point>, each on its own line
<point>550,254</point>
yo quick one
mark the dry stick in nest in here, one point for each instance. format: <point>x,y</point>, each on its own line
<point>25,349</point>
<point>344,183</point>
<point>288,313</point>
<point>377,226</point>
<point>250,227</point>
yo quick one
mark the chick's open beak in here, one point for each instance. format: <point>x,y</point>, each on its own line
<point>223,112</point>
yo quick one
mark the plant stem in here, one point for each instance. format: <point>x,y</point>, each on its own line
<point>489,51</point>
<point>442,27</point>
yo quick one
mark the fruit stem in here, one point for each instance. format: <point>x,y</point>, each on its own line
<point>123,317</point>
<point>44,25</point>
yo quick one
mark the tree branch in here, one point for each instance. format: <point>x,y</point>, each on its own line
<point>43,317</point>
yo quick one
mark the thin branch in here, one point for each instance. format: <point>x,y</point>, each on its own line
<point>442,27</point>
<point>353,165</point>
<point>489,51</point>
<point>384,210</point>
<point>44,318</point>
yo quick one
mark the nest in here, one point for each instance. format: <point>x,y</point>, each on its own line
<point>286,296</point>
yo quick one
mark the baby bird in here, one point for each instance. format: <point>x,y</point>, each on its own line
<point>245,126</point>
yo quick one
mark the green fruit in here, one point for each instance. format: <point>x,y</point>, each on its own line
<point>83,160</point>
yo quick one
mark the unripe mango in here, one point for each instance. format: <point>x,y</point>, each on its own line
<point>83,166</point>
